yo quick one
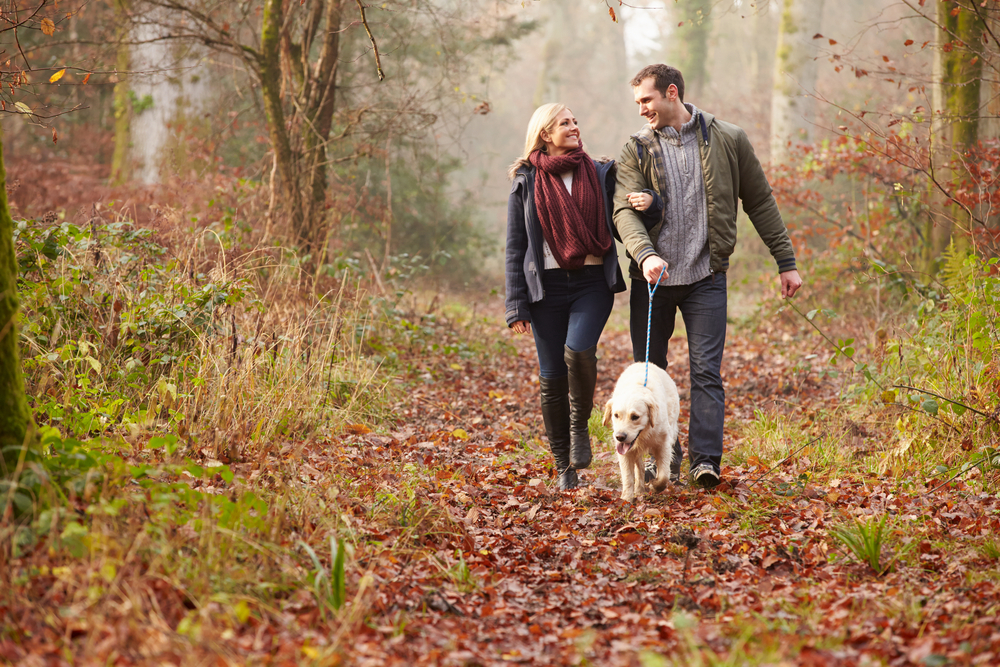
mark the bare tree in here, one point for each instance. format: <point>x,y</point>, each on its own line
<point>793,106</point>
<point>18,435</point>
<point>955,121</point>
<point>687,50</point>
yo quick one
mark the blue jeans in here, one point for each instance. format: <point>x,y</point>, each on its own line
<point>573,313</point>
<point>703,307</point>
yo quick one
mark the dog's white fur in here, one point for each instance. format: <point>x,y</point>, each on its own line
<point>643,421</point>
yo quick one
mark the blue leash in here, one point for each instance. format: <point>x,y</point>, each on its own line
<point>649,319</point>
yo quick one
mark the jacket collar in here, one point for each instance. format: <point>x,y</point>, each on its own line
<point>647,135</point>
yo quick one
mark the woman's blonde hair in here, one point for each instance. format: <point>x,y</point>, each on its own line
<point>543,119</point>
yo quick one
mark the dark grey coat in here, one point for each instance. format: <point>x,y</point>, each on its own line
<point>524,263</point>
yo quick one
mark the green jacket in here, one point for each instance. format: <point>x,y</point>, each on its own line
<point>732,173</point>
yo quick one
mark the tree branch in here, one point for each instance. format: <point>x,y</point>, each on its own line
<point>378,60</point>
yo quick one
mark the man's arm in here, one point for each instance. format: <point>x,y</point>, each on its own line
<point>627,220</point>
<point>762,209</point>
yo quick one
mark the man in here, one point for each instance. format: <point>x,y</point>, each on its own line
<point>701,168</point>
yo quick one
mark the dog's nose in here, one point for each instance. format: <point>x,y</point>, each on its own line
<point>620,437</point>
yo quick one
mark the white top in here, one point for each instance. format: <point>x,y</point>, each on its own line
<point>550,259</point>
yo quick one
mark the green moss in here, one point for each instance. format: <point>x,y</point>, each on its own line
<point>16,426</point>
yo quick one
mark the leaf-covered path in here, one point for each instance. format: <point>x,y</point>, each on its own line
<point>461,551</point>
<point>519,572</point>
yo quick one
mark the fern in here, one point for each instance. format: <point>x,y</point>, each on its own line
<point>956,272</point>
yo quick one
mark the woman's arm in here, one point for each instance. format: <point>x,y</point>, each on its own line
<point>516,301</point>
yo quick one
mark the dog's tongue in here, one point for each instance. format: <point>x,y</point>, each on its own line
<point>622,447</point>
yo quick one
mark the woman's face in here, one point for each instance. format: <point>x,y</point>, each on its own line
<point>564,135</point>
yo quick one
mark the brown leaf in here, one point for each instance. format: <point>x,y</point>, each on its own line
<point>48,27</point>
<point>629,538</point>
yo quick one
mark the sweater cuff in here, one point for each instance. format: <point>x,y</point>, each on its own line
<point>516,314</point>
<point>786,264</point>
<point>643,254</point>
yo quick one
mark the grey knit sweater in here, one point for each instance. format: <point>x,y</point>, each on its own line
<point>683,239</point>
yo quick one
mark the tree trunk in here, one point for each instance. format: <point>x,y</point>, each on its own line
<point>958,66</point>
<point>584,52</point>
<point>989,99</point>
<point>17,429</point>
<point>792,106</point>
<point>121,103</point>
<point>688,49</point>
<point>320,98</point>
<point>301,165</point>
<point>270,83</point>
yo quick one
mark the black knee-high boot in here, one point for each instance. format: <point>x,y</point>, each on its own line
<point>555,414</point>
<point>582,381</point>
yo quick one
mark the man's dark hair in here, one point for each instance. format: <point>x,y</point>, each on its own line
<point>662,76</point>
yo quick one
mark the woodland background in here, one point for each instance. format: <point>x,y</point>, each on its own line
<point>258,405</point>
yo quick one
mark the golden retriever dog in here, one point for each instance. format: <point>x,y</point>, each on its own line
<point>643,421</point>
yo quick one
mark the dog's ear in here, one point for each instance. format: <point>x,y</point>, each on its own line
<point>652,415</point>
<point>607,414</point>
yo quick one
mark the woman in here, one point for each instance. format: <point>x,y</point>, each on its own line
<point>561,274</point>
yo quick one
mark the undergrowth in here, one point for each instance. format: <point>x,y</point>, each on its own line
<point>925,389</point>
<point>176,390</point>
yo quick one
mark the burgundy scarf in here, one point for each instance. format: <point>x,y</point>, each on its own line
<point>573,225</point>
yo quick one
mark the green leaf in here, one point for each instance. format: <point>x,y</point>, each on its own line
<point>73,538</point>
<point>338,592</point>
<point>930,406</point>
<point>242,611</point>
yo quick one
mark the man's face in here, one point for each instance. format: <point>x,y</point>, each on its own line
<point>653,105</point>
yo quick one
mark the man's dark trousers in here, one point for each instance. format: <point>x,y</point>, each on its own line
<point>703,307</point>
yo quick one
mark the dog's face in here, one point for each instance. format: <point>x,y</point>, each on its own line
<point>628,417</point>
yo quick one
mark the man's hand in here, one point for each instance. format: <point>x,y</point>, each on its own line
<point>653,265</point>
<point>790,284</point>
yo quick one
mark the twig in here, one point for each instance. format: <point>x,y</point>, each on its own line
<point>378,59</point>
<point>849,357</point>
<point>378,278</point>
<point>945,398</point>
<point>782,461</point>
<point>953,478</point>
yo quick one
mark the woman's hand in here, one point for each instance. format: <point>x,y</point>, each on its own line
<point>640,201</point>
<point>521,327</point>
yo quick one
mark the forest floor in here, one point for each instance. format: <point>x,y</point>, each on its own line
<point>464,553</point>
<point>747,573</point>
